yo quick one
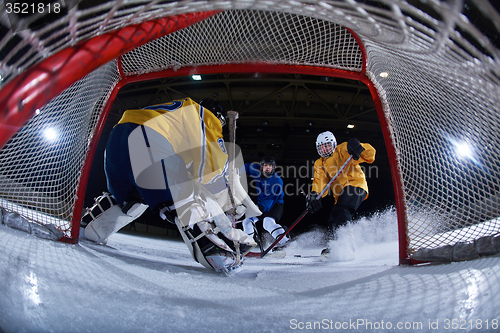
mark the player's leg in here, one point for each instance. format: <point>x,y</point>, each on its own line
<point>209,234</point>
<point>249,225</point>
<point>347,204</point>
<point>111,212</point>
<point>269,223</point>
<point>106,217</point>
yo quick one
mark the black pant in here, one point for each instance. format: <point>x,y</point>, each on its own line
<point>275,212</point>
<point>348,202</point>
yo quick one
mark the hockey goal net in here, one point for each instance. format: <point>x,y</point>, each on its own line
<point>432,72</point>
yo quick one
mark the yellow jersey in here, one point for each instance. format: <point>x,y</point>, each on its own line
<point>353,175</point>
<point>194,132</point>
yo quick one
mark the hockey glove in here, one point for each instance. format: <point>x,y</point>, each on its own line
<point>354,148</point>
<point>313,202</point>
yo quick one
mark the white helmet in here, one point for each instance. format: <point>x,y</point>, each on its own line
<point>326,144</point>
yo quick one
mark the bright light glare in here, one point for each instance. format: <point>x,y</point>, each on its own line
<point>50,134</point>
<point>384,74</point>
<point>463,149</point>
<point>350,126</point>
<point>196,77</point>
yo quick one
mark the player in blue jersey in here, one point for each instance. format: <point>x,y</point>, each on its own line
<point>268,186</point>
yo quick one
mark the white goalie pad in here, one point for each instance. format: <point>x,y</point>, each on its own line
<point>242,201</point>
<point>210,237</point>
<point>110,221</point>
<point>209,250</point>
<point>242,196</point>
<point>225,203</point>
<point>205,209</point>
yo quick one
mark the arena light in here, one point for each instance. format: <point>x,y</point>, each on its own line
<point>463,150</point>
<point>350,126</point>
<point>50,134</point>
<point>196,77</point>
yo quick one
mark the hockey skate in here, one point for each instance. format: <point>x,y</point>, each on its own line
<point>282,245</point>
<point>325,253</point>
<point>285,240</point>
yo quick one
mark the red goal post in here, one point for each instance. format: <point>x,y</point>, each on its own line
<point>431,77</point>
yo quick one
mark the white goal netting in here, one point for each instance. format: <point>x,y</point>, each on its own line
<point>433,66</point>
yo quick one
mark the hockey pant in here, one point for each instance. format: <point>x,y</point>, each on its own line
<point>348,202</point>
<point>138,158</point>
<point>268,223</point>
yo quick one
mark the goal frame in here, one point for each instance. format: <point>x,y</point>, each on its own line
<point>35,87</point>
<point>80,60</point>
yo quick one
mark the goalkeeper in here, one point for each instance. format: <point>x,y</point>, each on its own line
<point>350,188</point>
<point>172,158</point>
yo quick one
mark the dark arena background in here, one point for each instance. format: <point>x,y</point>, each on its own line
<point>279,115</point>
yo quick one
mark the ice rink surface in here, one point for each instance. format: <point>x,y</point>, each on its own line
<point>150,284</point>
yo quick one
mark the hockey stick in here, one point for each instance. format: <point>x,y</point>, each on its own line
<point>232,116</point>
<point>307,209</point>
<point>259,236</point>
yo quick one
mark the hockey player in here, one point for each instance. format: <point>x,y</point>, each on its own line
<point>172,158</point>
<point>350,189</point>
<point>269,187</point>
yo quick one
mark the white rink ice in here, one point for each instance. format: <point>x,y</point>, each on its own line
<point>139,284</point>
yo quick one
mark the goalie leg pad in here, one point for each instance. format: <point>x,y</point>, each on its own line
<point>211,248</point>
<point>110,220</point>
<point>205,210</point>
<point>203,250</point>
<point>226,227</point>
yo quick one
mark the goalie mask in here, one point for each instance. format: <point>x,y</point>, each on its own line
<point>326,144</point>
<point>268,161</point>
<point>216,108</point>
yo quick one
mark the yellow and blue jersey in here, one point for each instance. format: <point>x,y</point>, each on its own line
<point>194,133</point>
